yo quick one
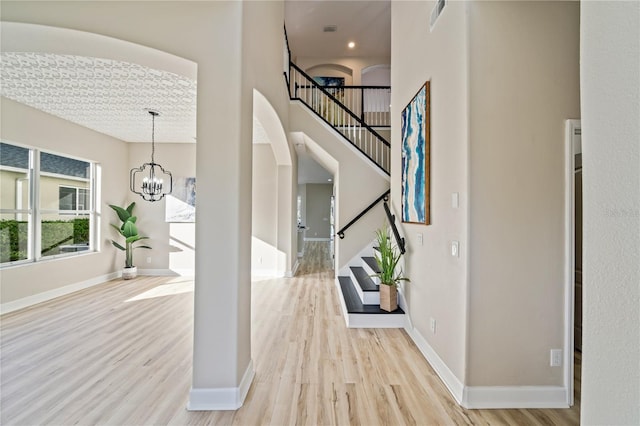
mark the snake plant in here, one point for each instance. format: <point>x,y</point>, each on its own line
<point>387,258</point>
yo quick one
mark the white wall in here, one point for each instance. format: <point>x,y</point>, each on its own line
<point>610,89</point>
<point>524,83</point>
<point>264,247</point>
<point>24,125</point>
<point>355,64</point>
<point>173,244</point>
<point>502,85</point>
<point>438,287</point>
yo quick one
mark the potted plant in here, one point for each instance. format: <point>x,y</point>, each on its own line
<point>387,258</point>
<point>129,231</point>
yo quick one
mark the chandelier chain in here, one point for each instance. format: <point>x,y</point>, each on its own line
<point>153,136</point>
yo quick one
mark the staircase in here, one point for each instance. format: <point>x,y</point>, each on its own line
<point>360,296</point>
<point>360,299</point>
<point>347,123</point>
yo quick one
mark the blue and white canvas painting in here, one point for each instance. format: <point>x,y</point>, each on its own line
<point>181,203</point>
<point>415,159</point>
<point>329,81</point>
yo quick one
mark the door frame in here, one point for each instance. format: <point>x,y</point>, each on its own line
<point>573,146</point>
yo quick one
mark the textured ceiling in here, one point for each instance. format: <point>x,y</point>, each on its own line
<point>108,96</point>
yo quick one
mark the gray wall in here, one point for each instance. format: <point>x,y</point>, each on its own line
<point>318,209</point>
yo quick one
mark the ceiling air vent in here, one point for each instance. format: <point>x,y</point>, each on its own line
<point>436,12</point>
<point>330,29</point>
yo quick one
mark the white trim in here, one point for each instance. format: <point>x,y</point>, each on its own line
<point>58,292</point>
<point>156,272</point>
<point>570,151</point>
<point>317,239</point>
<point>515,397</point>
<point>376,321</point>
<point>453,384</point>
<point>213,399</point>
<point>292,272</point>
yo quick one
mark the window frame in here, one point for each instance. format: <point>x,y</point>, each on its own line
<point>35,212</point>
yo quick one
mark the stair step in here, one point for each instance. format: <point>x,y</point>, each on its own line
<point>364,281</point>
<point>355,306</point>
<point>371,261</point>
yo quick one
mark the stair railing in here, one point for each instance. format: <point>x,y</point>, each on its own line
<point>331,109</point>
<point>370,103</point>
<point>394,228</point>
<point>384,196</point>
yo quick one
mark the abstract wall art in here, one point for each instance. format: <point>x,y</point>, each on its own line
<point>181,204</point>
<point>416,158</point>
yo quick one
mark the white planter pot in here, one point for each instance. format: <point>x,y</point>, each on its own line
<point>129,273</point>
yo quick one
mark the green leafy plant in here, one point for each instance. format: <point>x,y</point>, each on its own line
<point>129,231</point>
<point>387,257</point>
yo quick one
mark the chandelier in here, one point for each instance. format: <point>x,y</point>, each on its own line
<point>152,185</point>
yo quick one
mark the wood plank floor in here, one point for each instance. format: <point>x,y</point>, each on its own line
<point>120,354</point>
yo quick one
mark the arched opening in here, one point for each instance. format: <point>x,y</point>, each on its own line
<point>272,248</point>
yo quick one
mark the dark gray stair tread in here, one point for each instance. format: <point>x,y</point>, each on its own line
<point>371,261</point>
<point>353,303</point>
<point>364,281</point>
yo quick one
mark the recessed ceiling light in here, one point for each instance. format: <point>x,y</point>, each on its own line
<point>329,179</point>
<point>351,45</point>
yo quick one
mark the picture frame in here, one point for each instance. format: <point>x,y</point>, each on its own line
<point>415,137</point>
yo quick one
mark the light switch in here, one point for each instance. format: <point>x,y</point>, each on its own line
<point>455,200</point>
<point>455,248</point>
<point>419,239</point>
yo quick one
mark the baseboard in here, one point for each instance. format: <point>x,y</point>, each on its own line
<point>214,399</point>
<point>292,272</point>
<point>515,397</point>
<point>25,302</point>
<point>487,397</point>
<point>158,272</point>
<point>453,384</point>
<point>190,272</point>
<point>317,239</point>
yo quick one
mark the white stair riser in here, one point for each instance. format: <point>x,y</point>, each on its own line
<point>375,321</point>
<point>370,271</point>
<point>355,284</point>
<point>366,297</point>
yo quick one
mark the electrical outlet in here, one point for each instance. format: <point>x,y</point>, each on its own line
<point>148,259</point>
<point>420,242</point>
<point>433,325</point>
<point>555,358</point>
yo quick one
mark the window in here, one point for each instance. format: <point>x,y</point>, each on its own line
<point>47,205</point>
<point>72,198</point>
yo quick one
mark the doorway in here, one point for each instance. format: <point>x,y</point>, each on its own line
<point>573,238</point>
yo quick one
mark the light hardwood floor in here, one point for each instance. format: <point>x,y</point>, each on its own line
<point>120,353</point>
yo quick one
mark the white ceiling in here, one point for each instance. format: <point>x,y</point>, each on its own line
<point>367,23</point>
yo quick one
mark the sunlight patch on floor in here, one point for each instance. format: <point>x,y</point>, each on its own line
<point>178,285</point>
